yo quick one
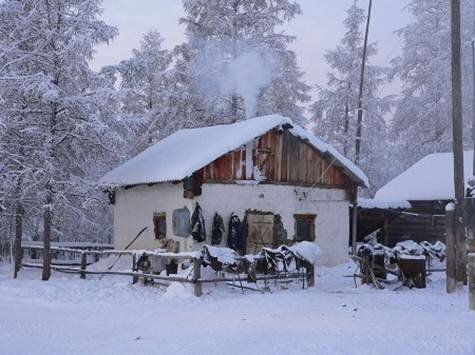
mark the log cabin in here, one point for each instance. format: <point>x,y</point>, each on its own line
<point>412,205</point>
<point>283,183</point>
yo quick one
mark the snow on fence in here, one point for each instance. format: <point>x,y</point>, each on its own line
<point>283,263</point>
<point>64,253</point>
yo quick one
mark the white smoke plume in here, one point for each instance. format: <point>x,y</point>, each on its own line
<point>245,73</point>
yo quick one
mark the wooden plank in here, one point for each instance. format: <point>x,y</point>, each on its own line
<point>83,265</point>
<point>278,157</point>
<point>135,279</point>
<point>316,169</point>
<point>229,167</point>
<point>302,162</point>
<point>270,165</point>
<point>237,164</point>
<point>471,281</point>
<point>451,282</point>
<point>310,166</point>
<point>197,290</point>
<point>285,156</point>
<point>282,158</point>
<point>294,160</point>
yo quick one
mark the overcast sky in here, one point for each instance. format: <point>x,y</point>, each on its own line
<point>317,30</point>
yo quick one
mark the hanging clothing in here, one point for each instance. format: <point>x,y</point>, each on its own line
<point>218,229</point>
<point>198,230</point>
<point>236,234</point>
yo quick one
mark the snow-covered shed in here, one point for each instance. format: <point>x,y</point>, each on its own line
<point>429,184</point>
<point>281,182</point>
<point>412,205</point>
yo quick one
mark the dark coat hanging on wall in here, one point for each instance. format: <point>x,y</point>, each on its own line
<point>198,230</point>
<point>218,230</point>
<point>236,234</point>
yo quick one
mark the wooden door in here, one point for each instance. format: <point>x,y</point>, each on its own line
<point>260,232</point>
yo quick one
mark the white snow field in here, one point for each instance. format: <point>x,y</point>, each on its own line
<point>67,315</point>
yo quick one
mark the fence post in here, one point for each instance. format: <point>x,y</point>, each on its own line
<point>135,278</point>
<point>83,264</point>
<point>311,276</point>
<point>17,258</point>
<point>451,282</point>
<point>470,215</point>
<point>471,281</point>
<point>197,291</point>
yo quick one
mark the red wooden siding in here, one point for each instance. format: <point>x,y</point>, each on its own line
<point>281,158</point>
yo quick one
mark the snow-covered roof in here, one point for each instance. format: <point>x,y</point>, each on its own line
<point>188,150</point>
<point>431,178</point>
<point>369,203</point>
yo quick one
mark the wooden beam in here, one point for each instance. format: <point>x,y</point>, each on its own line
<point>354,225</point>
<point>451,283</point>
<point>197,289</point>
<point>471,281</point>
<point>457,131</point>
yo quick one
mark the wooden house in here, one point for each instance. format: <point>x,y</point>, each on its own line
<point>283,183</point>
<point>412,205</point>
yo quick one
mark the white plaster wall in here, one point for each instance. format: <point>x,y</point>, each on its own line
<point>330,206</point>
<point>135,207</point>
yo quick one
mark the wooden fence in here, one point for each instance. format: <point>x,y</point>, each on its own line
<point>64,253</point>
<point>307,276</point>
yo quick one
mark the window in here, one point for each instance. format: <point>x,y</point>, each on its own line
<point>181,222</point>
<point>304,227</point>
<point>160,225</point>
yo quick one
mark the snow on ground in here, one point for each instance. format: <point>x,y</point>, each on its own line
<point>110,316</point>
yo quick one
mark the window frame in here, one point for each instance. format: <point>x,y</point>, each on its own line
<point>156,225</point>
<point>305,217</point>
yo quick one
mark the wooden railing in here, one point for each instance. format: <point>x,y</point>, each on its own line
<point>196,258</point>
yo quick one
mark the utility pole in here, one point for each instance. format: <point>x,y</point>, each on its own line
<point>473,103</point>
<point>457,128</point>
<point>470,201</point>
<point>359,125</point>
<point>470,206</point>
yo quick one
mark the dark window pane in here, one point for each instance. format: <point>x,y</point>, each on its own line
<point>305,227</point>
<point>303,230</point>
<point>160,225</point>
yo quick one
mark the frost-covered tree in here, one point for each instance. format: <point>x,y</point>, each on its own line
<point>422,120</point>
<point>17,168</point>
<point>45,49</point>
<point>335,110</point>
<point>236,62</point>
<point>144,90</point>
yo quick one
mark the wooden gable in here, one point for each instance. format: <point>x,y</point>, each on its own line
<point>276,157</point>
